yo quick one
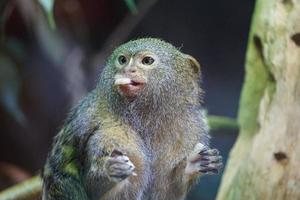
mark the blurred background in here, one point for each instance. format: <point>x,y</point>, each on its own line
<point>51,54</point>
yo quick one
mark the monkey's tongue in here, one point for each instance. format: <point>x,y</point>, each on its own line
<point>128,87</point>
<point>127,81</point>
<point>122,81</point>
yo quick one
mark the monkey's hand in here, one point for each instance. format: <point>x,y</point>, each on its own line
<point>118,166</point>
<point>203,160</point>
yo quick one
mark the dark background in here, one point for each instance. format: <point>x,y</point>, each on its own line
<point>44,71</point>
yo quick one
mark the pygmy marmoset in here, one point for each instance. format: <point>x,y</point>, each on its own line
<point>141,134</point>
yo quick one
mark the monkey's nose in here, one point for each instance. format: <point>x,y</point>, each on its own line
<point>131,70</point>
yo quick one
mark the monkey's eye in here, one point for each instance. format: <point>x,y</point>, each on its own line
<point>122,60</point>
<point>148,60</point>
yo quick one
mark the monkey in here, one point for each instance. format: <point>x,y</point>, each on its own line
<point>141,134</point>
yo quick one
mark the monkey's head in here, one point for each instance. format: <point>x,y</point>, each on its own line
<point>149,67</point>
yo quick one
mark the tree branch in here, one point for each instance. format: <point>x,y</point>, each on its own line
<point>222,123</point>
<point>27,190</point>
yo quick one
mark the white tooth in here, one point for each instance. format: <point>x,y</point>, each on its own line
<point>122,81</point>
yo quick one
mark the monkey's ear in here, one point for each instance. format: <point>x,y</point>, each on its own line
<point>193,62</point>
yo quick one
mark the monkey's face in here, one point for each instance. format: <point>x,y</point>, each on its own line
<point>151,70</point>
<point>133,71</point>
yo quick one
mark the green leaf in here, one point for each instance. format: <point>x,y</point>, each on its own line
<point>48,8</point>
<point>131,6</point>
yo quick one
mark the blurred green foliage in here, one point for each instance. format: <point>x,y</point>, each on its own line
<point>12,52</point>
<point>131,6</point>
<point>48,6</point>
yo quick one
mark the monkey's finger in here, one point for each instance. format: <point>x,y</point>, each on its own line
<point>121,172</point>
<point>196,154</point>
<point>118,152</point>
<point>121,168</point>
<point>212,171</point>
<point>209,171</point>
<point>118,178</point>
<point>117,166</point>
<point>211,166</point>
<point>207,159</point>
<point>124,166</point>
<point>211,159</point>
<point>210,152</point>
<point>200,148</point>
<point>118,159</point>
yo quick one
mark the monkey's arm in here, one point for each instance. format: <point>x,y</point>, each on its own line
<point>98,169</point>
<point>64,186</point>
<point>202,160</point>
<point>62,173</point>
<point>115,164</point>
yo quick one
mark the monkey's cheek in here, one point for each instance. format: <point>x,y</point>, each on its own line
<point>129,90</point>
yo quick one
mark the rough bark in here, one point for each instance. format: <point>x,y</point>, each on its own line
<point>265,160</point>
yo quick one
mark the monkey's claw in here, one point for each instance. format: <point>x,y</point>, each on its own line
<point>204,160</point>
<point>119,167</point>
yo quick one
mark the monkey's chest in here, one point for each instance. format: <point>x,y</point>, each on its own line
<point>164,178</point>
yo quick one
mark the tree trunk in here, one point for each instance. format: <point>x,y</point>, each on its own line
<point>265,160</point>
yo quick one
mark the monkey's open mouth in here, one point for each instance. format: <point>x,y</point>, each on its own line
<point>134,83</point>
<point>128,87</point>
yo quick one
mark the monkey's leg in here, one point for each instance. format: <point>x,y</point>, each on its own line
<point>61,175</point>
<point>63,187</point>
